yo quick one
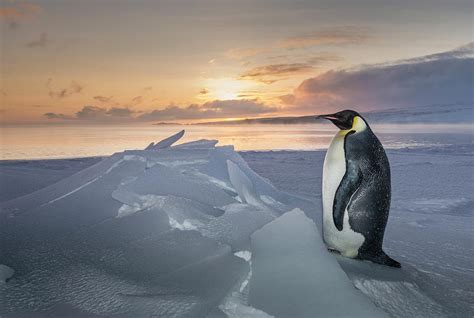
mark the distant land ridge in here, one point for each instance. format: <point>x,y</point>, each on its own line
<point>445,113</point>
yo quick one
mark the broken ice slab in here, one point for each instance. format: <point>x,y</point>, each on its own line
<point>295,276</point>
<point>166,143</point>
<point>162,180</point>
<point>236,225</point>
<point>140,233</point>
<point>198,144</point>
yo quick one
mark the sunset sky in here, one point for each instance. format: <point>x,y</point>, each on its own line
<point>184,61</point>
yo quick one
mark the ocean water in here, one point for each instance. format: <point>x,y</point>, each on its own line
<point>45,142</point>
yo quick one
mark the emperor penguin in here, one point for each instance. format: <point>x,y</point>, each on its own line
<point>356,190</point>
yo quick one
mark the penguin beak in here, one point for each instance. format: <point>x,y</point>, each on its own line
<point>335,120</point>
<point>330,117</point>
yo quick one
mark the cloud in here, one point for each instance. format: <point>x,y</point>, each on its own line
<point>103,99</point>
<point>324,57</point>
<point>91,112</point>
<point>19,11</point>
<point>74,88</point>
<point>288,99</point>
<point>210,110</point>
<point>123,112</point>
<point>340,35</point>
<point>269,74</point>
<point>434,79</point>
<point>238,53</point>
<point>42,41</point>
<point>58,116</point>
<point>96,114</point>
<point>137,100</point>
<point>464,51</point>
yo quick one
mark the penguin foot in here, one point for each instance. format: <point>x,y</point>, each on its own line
<point>382,259</point>
<point>331,250</point>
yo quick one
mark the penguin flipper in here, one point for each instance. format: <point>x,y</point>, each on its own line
<point>348,186</point>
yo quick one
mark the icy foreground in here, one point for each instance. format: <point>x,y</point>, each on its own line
<point>187,231</point>
<point>140,233</point>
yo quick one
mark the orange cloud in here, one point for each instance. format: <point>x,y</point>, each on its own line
<point>19,11</point>
<point>238,54</point>
<point>332,36</point>
<point>103,99</point>
<point>74,88</point>
<point>269,74</point>
<point>208,110</point>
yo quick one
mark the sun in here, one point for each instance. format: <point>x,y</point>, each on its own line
<point>225,88</point>
<point>225,95</point>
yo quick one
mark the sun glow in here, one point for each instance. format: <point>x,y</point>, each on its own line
<point>227,88</point>
<point>223,95</point>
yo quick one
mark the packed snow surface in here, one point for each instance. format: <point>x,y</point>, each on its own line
<point>187,231</point>
<point>5,273</point>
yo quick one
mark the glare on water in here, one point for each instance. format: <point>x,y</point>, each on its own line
<point>39,142</point>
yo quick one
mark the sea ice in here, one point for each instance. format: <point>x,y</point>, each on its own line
<point>295,276</point>
<point>165,233</point>
<point>166,143</point>
<point>144,232</point>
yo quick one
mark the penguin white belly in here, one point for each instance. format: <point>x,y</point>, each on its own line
<point>347,242</point>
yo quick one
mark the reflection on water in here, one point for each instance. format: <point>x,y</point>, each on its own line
<point>35,142</point>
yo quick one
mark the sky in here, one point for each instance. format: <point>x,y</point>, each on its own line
<point>116,61</point>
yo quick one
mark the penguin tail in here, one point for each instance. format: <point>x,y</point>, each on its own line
<point>384,259</point>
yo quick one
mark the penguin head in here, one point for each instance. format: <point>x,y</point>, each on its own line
<point>344,120</point>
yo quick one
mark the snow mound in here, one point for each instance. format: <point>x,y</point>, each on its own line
<point>141,233</point>
<point>293,274</point>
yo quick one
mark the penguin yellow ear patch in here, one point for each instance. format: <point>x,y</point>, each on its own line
<point>354,121</point>
<point>358,124</point>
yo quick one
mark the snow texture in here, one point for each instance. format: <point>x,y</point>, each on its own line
<point>5,273</point>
